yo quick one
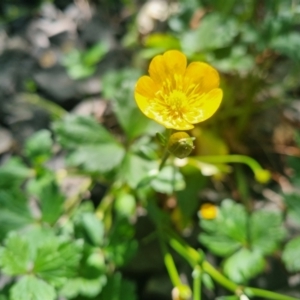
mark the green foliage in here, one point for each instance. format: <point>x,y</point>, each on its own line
<point>62,238</point>
<point>292,202</point>
<point>94,148</point>
<point>32,288</point>
<point>223,30</point>
<point>244,264</point>
<point>242,238</point>
<point>290,255</point>
<point>13,173</point>
<point>38,147</point>
<point>118,289</point>
<point>15,255</point>
<point>81,64</point>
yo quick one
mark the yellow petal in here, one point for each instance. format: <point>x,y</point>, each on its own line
<point>164,66</point>
<point>203,75</point>
<point>208,211</point>
<point>208,105</point>
<point>177,124</point>
<point>144,94</point>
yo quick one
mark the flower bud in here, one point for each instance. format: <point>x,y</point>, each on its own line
<point>180,144</point>
<point>262,176</point>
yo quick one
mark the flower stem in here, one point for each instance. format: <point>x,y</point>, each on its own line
<point>261,174</point>
<point>197,274</point>
<point>194,258</point>
<point>166,151</point>
<point>169,263</point>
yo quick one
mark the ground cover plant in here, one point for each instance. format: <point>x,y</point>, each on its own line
<point>149,150</point>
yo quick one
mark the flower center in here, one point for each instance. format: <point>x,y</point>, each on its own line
<point>176,102</point>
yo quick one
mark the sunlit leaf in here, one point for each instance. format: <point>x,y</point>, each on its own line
<point>227,232</point>
<point>51,198</point>
<point>15,256</point>
<point>32,288</point>
<point>168,180</point>
<point>97,158</point>
<point>290,255</point>
<point>74,131</point>
<point>91,226</point>
<point>38,147</point>
<point>14,211</point>
<point>243,265</point>
<point>83,286</point>
<point>13,172</point>
<point>267,231</point>
<point>213,32</point>
<point>56,260</point>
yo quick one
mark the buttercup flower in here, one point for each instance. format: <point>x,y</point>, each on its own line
<point>208,211</point>
<point>176,95</point>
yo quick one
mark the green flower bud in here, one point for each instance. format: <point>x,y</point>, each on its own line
<point>262,176</point>
<point>180,144</point>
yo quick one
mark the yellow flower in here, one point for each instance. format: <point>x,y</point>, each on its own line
<point>176,95</point>
<point>208,211</point>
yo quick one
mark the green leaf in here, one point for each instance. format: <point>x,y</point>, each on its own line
<point>287,44</point>
<point>208,282</point>
<point>14,211</point>
<point>291,256</point>
<point>74,131</point>
<point>121,245</point>
<point>168,180</point>
<point>227,232</point>
<point>135,169</point>
<point>293,206</point>
<point>92,226</point>
<point>214,32</point>
<point>13,172</point>
<point>83,286</point>
<point>38,147</point>
<point>57,260</point>
<point>32,288</point>
<point>95,54</point>
<point>219,245</point>
<point>94,148</point>
<point>266,230</point>
<point>163,41</point>
<point>51,199</point>
<point>97,158</point>
<point>125,204</point>
<point>118,288</point>
<point>15,256</point>
<point>243,265</point>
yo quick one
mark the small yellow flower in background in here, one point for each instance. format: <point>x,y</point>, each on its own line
<point>208,211</point>
<point>176,95</point>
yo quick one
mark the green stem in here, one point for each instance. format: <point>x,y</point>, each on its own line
<point>166,151</point>
<point>164,159</point>
<point>266,294</point>
<point>261,174</point>
<point>219,277</point>
<point>194,258</point>
<point>234,158</point>
<point>169,263</point>
<point>197,274</point>
<point>56,111</point>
